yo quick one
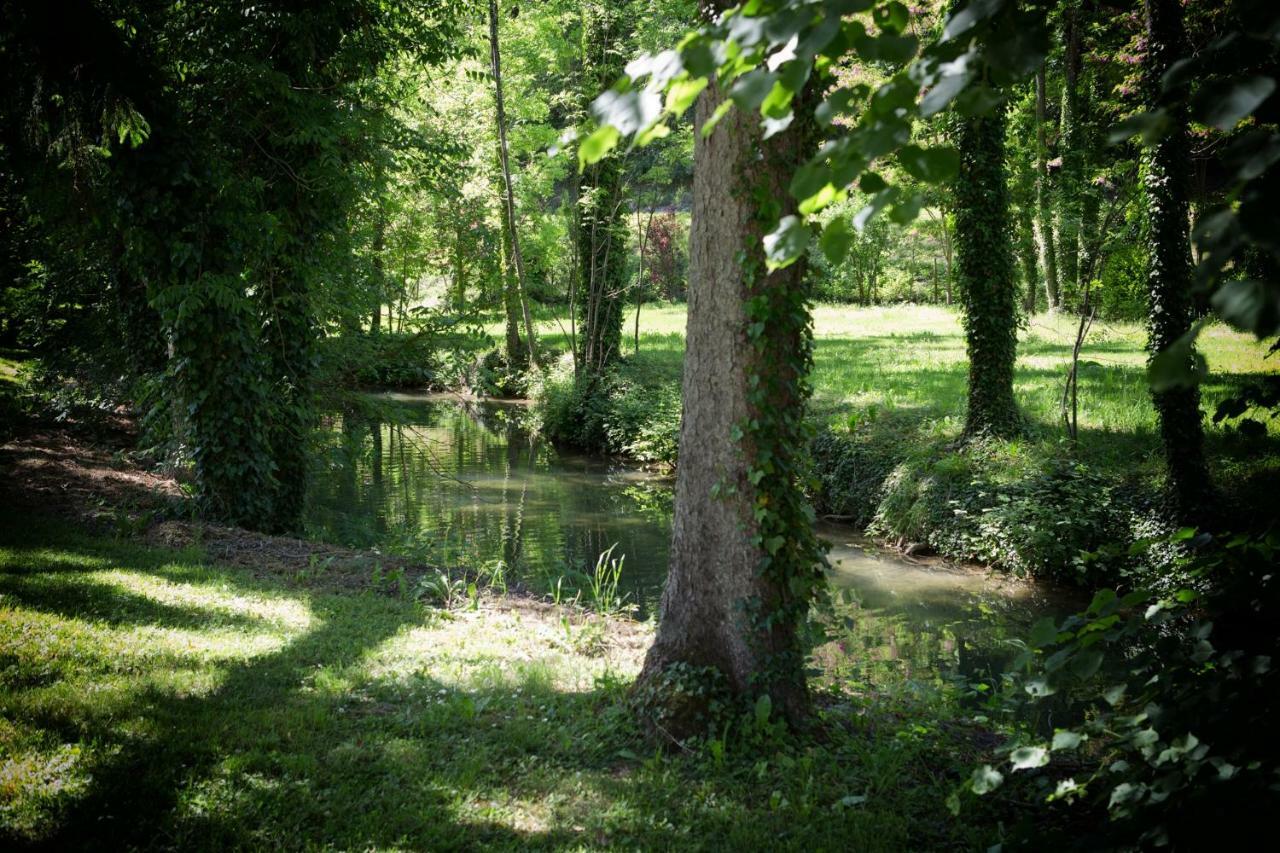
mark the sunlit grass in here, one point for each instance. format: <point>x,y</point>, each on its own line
<point>911,359</point>
<point>150,699</point>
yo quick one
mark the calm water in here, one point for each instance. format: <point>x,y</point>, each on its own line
<point>466,484</point>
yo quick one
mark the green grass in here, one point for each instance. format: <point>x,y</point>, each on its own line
<point>151,699</point>
<point>890,387</point>
<point>910,361</point>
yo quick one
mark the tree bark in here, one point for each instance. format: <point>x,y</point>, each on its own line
<point>725,576</point>
<point>1048,251</point>
<point>988,291</point>
<point>495,64</point>
<point>1071,180</point>
<point>1171,308</point>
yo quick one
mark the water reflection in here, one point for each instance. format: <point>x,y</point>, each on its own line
<point>470,484</point>
<point>466,483</point>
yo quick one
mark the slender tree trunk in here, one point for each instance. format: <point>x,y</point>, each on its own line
<point>737,588</point>
<point>642,240</point>
<point>601,215</point>
<point>1027,257</point>
<point>379,277</point>
<point>1048,252</point>
<point>495,64</point>
<point>510,293</point>
<point>988,290</point>
<point>1090,199</point>
<point>1171,308</point>
<point>945,232</point>
<point>1071,179</point>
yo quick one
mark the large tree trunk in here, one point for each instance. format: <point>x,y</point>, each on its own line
<point>988,291</point>
<point>1171,307</point>
<point>1048,251</point>
<point>742,547</point>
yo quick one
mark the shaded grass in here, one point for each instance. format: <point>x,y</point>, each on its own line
<point>150,699</point>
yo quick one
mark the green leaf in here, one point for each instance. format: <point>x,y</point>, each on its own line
<point>1151,126</point>
<point>763,708</point>
<point>1067,740</point>
<point>1252,306</point>
<point>710,124</point>
<point>1028,757</point>
<point>836,239</point>
<point>1178,366</point>
<point>823,197</point>
<point>1043,633</point>
<point>750,90</point>
<point>906,210</point>
<point>682,93</point>
<point>985,779</point>
<point>786,243</point>
<point>601,141</point>
<point>931,165</point>
<point>1226,104</point>
<point>1085,664</point>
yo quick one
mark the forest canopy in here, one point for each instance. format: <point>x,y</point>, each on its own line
<point>991,283</point>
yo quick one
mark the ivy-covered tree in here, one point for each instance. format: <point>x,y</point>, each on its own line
<point>744,560</point>
<point>1169,274</point>
<point>988,287</point>
<point>602,205</point>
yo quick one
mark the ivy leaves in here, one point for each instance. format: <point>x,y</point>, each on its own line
<point>765,52</point>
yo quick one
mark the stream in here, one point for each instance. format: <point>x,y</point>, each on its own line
<point>465,483</point>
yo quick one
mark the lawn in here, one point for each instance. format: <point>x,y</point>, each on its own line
<point>149,698</point>
<point>910,359</point>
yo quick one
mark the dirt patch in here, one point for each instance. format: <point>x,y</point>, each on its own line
<point>58,472</point>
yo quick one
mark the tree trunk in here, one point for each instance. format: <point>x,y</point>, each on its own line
<point>1048,252</point>
<point>495,64</point>
<point>1071,179</point>
<point>743,549</point>
<point>514,347</point>
<point>1171,307</point>
<point>601,216</point>
<point>1027,256</point>
<point>988,291</point>
<point>379,291</point>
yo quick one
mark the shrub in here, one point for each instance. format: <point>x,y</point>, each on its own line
<point>625,413</point>
<point>1172,696</point>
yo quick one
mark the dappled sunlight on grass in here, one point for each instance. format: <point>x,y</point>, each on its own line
<point>149,696</point>
<point>493,649</point>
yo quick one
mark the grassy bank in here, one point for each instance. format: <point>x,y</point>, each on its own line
<point>889,397</point>
<point>151,697</point>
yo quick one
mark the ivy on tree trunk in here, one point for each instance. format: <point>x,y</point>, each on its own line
<point>1171,307</point>
<point>744,559</point>
<point>988,290</point>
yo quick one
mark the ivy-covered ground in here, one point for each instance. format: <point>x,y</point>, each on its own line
<point>888,407</point>
<point>150,697</point>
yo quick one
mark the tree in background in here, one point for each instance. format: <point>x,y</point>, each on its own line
<point>1044,196</point>
<point>602,205</point>
<point>988,289</point>
<point>515,292</point>
<point>1171,308</point>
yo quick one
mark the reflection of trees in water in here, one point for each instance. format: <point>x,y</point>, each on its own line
<point>472,483</point>
<point>880,647</point>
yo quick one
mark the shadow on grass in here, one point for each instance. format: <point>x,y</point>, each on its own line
<point>295,748</point>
